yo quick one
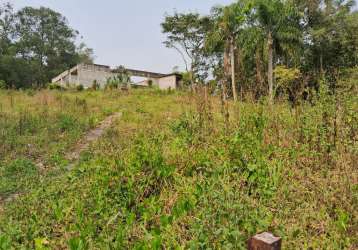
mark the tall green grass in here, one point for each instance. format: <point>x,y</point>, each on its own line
<point>179,171</point>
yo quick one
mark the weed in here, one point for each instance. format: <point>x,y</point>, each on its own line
<point>176,172</point>
<point>66,122</point>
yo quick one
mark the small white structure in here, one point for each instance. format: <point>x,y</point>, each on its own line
<point>88,74</point>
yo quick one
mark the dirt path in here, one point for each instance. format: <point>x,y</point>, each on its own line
<point>74,155</point>
<point>91,136</point>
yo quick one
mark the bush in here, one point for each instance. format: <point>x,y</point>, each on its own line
<point>30,92</point>
<point>112,83</point>
<point>122,79</point>
<point>289,82</point>
<point>80,87</point>
<point>66,122</point>
<point>2,84</point>
<point>53,86</point>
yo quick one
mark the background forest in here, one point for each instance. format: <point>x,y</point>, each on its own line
<point>36,44</point>
<point>268,47</point>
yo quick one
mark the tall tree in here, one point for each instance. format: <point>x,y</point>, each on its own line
<point>13,70</point>
<point>186,34</point>
<point>45,38</point>
<point>7,18</point>
<point>36,44</point>
<point>331,32</point>
<point>278,20</point>
<point>229,23</point>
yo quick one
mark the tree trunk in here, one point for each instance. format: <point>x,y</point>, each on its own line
<point>321,64</point>
<point>226,66</point>
<point>192,78</point>
<point>270,66</point>
<point>233,80</point>
<point>239,73</point>
<point>259,76</point>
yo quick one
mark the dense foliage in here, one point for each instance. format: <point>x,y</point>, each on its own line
<point>36,44</point>
<point>248,39</point>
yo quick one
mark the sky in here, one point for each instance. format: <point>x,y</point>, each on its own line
<point>125,32</point>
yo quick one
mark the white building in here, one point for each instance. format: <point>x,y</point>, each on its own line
<point>88,74</point>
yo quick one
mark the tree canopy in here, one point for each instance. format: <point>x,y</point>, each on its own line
<point>186,33</point>
<point>36,44</point>
<point>249,39</point>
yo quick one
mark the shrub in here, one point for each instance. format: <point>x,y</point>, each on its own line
<point>2,84</point>
<point>27,123</point>
<point>119,80</point>
<point>111,84</point>
<point>289,81</point>
<point>80,87</point>
<point>147,160</point>
<point>53,86</point>
<point>66,122</point>
<point>186,127</point>
<point>148,157</point>
<point>81,103</point>
<point>250,156</point>
<point>30,92</point>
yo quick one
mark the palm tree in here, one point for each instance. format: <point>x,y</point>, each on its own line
<point>279,21</point>
<point>229,23</point>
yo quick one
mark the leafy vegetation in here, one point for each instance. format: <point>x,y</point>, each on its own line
<point>242,44</point>
<point>36,44</point>
<point>179,170</point>
<point>122,79</point>
<point>36,128</point>
<point>186,169</point>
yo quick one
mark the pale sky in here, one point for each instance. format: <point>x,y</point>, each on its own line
<point>124,32</point>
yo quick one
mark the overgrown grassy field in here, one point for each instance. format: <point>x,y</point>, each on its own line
<point>176,171</point>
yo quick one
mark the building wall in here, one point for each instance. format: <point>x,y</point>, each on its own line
<point>154,81</point>
<point>167,82</point>
<point>87,74</point>
<point>90,73</point>
<point>70,78</point>
<point>66,80</point>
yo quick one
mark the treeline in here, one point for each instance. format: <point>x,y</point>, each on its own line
<point>268,47</point>
<point>36,44</point>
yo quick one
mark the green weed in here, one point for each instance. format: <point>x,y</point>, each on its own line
<point>175,172</point>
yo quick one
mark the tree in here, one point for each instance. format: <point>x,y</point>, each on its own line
<point>11,67</point>
<point>45,38</point>
<point>36,45</point>
<point>331,32</point>
<point>186,34</point>
<point>85,54</point>
<point>229,23</point>
<point>6,27</point>
<point>279,21</point>
<point>253,59</point>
